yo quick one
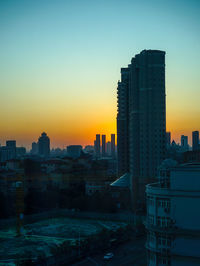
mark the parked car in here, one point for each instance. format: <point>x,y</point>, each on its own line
<point>108,256</point>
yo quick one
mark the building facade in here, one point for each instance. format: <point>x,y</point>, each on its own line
<point>184,143</point>
<point>97,146</point>
<point>195,141</point>
<point>173,219</point>
<point>44,145</point>
<point>123,122</point>
<point>103,145</point>
<point>146,120</point>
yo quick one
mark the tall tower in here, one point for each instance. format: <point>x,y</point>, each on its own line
<point>113,146</point>
<point>97,146</point>
<point>123,122</point>
<point>195,140</point>
<point>184,142</point>
<point>103,145</point>
<point>44,145</point>
<point>146,120</point>
<point>147,110</point>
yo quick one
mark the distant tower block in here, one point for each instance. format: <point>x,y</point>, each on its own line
<point>195,140</point>
<point>44,145</point>
<point>103,145</point>
<point>97,146</point>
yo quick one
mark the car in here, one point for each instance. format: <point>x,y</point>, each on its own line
<point>108,256</point>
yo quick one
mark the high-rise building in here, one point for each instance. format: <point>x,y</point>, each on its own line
<point>103,145</point>
<point>44,145</point>
<point>34,149</point>
<point>146,120</point>
<point>168,139</point>
<point>123,122</point>
<point>9,151</point>
<point>113,145</point>
<point>184,142</point>
<point>108,148</point>
<point>97,146</point>
<point>195,140</point>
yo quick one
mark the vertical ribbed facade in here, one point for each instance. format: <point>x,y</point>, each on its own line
<point>146,121</point>
<point>103,145</point>
<point>123,122</point>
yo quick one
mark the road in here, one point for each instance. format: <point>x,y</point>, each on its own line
<point>132,253</point>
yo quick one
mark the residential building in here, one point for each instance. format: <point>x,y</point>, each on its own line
<point>44,145</point>
<point>8,152</point>
<point>195,141</point>
<point>103,145</point>
<point>184,143</point>
<point>173,219</point>
<point>97,146</point>
<point>108,148</point>
<point>123,122</point>
<point>34,149</point>
<point>146,120</point>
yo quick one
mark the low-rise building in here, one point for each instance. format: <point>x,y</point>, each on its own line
<point>173,216</point>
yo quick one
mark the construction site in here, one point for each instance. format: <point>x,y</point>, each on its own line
<point>38,239</point>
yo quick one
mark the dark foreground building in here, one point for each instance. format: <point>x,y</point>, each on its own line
<point>141,121</point>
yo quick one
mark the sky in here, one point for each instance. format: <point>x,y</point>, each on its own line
<point>60,63</point>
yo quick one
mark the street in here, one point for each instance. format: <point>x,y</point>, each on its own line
<point>130,253</point>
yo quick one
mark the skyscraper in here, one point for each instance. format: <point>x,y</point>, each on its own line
<point>184,142</point>
<point>97,146</point>
<point>123,122</point>
<point>146,120</point>
<point>103,145</point>
<point>113,145</point>
<point>44,145</point>
<point>195,140</point>
<point>108,148</point>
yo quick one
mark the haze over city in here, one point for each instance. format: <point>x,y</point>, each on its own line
<point>60,62</point>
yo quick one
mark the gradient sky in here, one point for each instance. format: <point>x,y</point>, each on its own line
<point>60,62</point>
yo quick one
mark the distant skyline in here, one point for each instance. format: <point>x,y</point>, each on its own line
<point>60,62</point>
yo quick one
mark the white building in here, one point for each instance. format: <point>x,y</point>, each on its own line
<point>173,217</point>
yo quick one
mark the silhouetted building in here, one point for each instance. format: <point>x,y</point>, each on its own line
<point>173,219</point>
<point>44,145</point>
<point>113,145</point>
<point>8,152</point>
<point>195,140</point>
<point>103,145</point>
<point>11,143</point>
<point>123,122</point>
<point>146,120</point>
<point>184,143</point>
<point>74,151</point>
<point>34,149</point>
<point>168,139</point>
<point>108,148</point>
<point>97,146</point>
